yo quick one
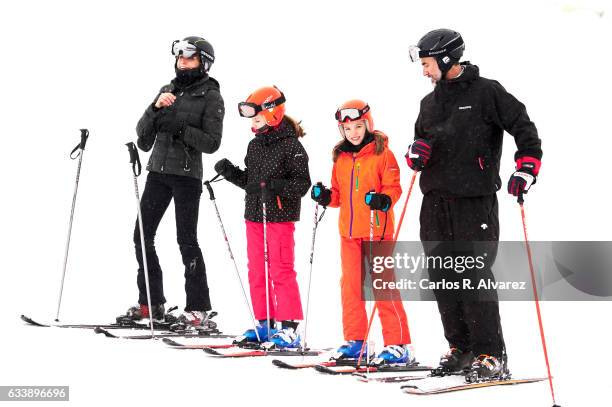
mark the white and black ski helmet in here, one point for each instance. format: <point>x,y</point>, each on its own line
<point>203,47</point>
<point>446,46</point>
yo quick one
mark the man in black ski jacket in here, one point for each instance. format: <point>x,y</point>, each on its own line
<point>458,147</point>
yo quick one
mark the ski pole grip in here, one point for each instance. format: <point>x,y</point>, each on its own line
<point>134,158</point>
<point>81,145</point>
<point>520,198</point>
<point>84,136</point>
<point>210,190</point>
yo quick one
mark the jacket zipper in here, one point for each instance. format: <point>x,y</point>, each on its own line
<point>351,199</point>
<point>170,139</point>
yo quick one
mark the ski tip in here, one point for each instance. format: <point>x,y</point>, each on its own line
<point>212,351</point>
<point>104,332</point>
<point>283,365</point>
<point>361,377</point>
<point>31,321</point>
<point>170,342</point>
<point>325,369</point>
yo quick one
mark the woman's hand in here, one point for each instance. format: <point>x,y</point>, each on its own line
<point>165,100</point>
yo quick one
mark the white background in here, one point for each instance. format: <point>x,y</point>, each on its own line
<point>68,65</point>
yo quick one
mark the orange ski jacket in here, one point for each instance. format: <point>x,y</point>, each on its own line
<point>356,174</point>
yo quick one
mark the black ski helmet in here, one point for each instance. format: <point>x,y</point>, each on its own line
<point>446,46</point>
<point>205,50</point>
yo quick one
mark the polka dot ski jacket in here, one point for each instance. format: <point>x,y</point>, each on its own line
<point>276,154</point>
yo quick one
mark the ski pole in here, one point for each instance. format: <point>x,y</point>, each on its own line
<point>367,339</point>
<point>136,170</point>
<point>399,226</point>
<point>79,149</point>
<point>265,242</point>
<point>229,249</point>
<point>536,298</point>
<point>312,248</point>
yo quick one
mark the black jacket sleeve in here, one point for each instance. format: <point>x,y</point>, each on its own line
<point>298,177</point>
<point>239,177</point>
<point>418,126</point>
<point>511,115</point>
<point>145,129</point>
<point>207,139</point>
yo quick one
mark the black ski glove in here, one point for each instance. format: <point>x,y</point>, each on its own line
<point>418,154</point>
<point>378,202</point>
<point>320,194</point>
<point>226,168</point>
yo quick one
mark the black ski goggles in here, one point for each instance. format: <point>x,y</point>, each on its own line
<point>183,48</point>
<point>351,113</point>
<point>247,109</point>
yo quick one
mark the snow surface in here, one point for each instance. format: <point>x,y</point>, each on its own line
<point>67,65</point>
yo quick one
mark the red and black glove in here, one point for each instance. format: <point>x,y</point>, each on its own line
<point>527,169</point>
<point>418,154</point>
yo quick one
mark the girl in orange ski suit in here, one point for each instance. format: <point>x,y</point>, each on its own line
<point>357,170</point>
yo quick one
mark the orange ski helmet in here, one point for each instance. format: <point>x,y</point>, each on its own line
<point>353,110</point>
<point>269,100</point>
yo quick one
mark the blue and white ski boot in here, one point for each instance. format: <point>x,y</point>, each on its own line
<point>395,355</point>
<point>262,330</point>
<point>351,350</point>
<point>286,338</point>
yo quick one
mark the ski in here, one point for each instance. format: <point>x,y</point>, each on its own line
<point>178,345</point>
<point>240,351</point>
<point>283,364</point>
<point>189,333</point>
<point>171,324</point>
<point>338,370</point>
<point>387,379</point>
<point>156,325</point>
<point>457,383</point>
<point>404,377</point>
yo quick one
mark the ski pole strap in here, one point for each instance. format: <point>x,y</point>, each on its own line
<point>214,179</point>
<point>81,145</point>
<point>134,159</point>
<point>322,213</point>
<point>210,190</point>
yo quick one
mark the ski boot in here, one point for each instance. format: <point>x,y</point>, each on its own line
<point>487,368</point>
<point>139,312</point>
<point>395,355</point>
<point>286,338</point>
<point>454,361</point>
<point>351,350</point>
<point>195,320</point>
<point>250,337</point>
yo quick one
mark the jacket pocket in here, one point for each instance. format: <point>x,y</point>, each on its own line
<point>287,255</point>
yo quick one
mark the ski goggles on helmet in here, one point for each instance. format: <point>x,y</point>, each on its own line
<point>248,109</point>
<point>183,48</point>
<point>351,113</point>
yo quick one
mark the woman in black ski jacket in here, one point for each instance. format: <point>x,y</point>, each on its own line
<point>184,121</point>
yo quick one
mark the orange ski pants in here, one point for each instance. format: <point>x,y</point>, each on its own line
<point>354,317</point>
